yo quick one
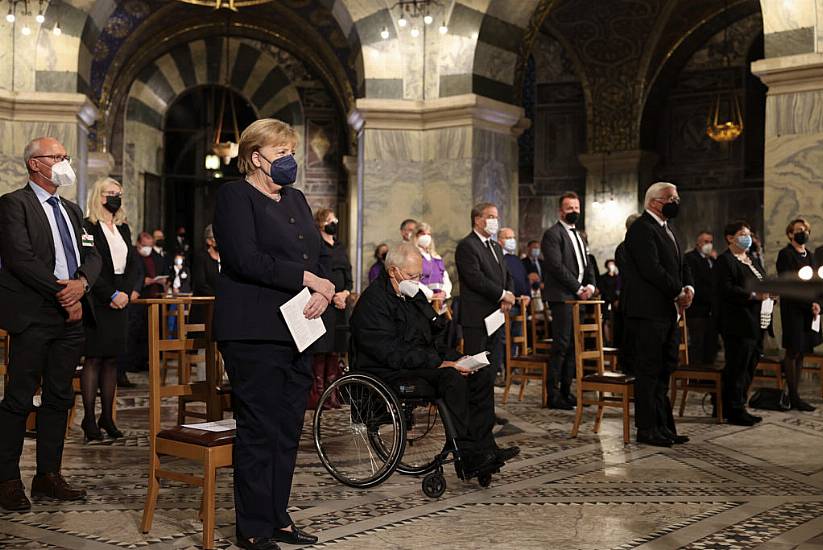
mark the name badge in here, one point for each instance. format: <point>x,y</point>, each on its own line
<point>87,240</point>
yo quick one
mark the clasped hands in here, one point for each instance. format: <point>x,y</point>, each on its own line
<point>684,300</point>
<point>507,302</point>
<point>323,294</point>
<point>70,296</point>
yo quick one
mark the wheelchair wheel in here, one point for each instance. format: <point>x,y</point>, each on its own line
<point>343,437</point>
<point>425,438</point>
<point>434,485</point>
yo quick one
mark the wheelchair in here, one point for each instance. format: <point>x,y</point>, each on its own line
<point>377,430</point>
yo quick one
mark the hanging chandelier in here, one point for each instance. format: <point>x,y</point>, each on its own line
<point>414,10</point>
<point>729,127</point>
<point>225,150</point>
<point>233,5</point>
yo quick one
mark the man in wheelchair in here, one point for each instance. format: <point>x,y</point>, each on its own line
<point>398,337</point>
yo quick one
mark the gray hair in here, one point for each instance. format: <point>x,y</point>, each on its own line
<point>631,219</point>
<point>400,254</point>
<point>208,233</point>
<point>655,190</point>
<point>32,149</point>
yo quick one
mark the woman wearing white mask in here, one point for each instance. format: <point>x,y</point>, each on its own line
<point>434,276</point>
<point>180,276</point>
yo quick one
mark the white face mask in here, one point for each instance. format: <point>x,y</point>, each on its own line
<point>178,262</point>
<point>706,249</point>
<point>424,241</point>
<point>612,269</point>
<point>492,225</point>
<point>510,245</point>
<point>144,251</point>
<point>63,174</point>
<point>409,288</point>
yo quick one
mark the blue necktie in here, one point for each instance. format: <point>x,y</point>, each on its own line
<point>65,236</point>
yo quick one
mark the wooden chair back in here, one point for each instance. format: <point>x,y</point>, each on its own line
<point>683,348</point>
<point>528,365</point>
<point>539,326</point>
<point>588,330</point>
<point>522,340</point>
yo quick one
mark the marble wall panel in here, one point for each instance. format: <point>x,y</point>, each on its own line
<point>793,174</point>
<point>494,172</point>
<point>783,16</point>
<point>793,42</point>
<point>606,220</point>
<point>142,154</point>
<point>797,113</point>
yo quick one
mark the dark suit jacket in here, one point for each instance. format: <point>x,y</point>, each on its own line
<point>737,313</point>
<point>655,271</point>
<point>482,279</point>
<point>28,286</point>
<point>265,246</point>
<point>205,274</point>
<point>560,276</point>
<point>818,255</point>
<point>703,279</point>
<point>104,287</point>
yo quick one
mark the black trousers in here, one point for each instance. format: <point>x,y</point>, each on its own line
<point>44,354</point>
<point>466,398</point>
<point>476,340</point>
<point>270,385</point>
<point>655,354</point>
<point>137,346</point>
<point>742,355</point>
<point>702,340</point>
<point>561,358</point>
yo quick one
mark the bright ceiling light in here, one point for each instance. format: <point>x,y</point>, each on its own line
<point>806,273</point>
<point>10,16</point>
<point>427,19</point>
<point>414,32</point>
<point>402,22</point>
<point>40,18</point>
<point>384,34</point>
<point>57,30</point>
<point>26,30</point>
<point>443,28</point>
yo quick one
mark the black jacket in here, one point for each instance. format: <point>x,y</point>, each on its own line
<point>265,246</point>
<point>27,281</point>
<point>655,273</point>
<point>531,267</point>
<point>737,313</point>
<point>390,332</point>
<point>205,272</point>
<point>561,273</point>
<point>482,279</point>
<point>104,286</point>
<point>701,273</point>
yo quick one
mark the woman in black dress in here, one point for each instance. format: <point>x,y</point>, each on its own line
<point>106,339</point>
<point>327,351</point>
<point>740,320</point>
<point>796,316</point>
<point>270,251</point>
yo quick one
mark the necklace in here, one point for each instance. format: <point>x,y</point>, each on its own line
<point>273,196</point>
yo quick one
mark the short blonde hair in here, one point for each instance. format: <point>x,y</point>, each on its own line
<point>95,208</point>
<point>258,134</point>
<point>423,227</point>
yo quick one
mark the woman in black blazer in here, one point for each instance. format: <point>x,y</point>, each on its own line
<point>796,316</point>
<point>739,319</point>
<point>106,339</point>
<point>269,251</point>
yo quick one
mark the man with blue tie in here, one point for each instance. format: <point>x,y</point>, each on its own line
<point>49,265</point>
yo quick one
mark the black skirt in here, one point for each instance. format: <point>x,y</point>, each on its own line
<point>796,323</point>
<point>107,338</point>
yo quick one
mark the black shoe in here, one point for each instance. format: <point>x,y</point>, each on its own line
<point>653,438</point>
<point>570,399</point>
<point>111,429</point>
<point>673,437</point>
<point>504,454</point>
<point>475,464</point>
<point>801,405</point>
<point>295,536</point>
<point>753,416</point>
<point>124,382</point>
<point>557,402</point>
<point>55,486</point>
<point>260,543</point>
<point>500,421</point>
<point>740,419</point>
<point>13,497</point>
<point>90,431</point>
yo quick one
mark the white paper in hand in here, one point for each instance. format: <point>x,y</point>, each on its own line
<point>767,306</point>
<point>304,331</point>
<point>474,362</point>
<point>816,324</point>
<point>494,322</point>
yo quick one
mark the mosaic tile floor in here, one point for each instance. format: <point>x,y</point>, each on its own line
<point>729,488</point>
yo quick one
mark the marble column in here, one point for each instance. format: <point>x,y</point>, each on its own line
<point>612,194</point>
<point>433,160</point>
<point>793,164</point>
<point>28,115</point>
<point>350,216</point>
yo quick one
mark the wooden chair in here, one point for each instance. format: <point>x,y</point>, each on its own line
<point>212,449</point>
<point>530,366</point>
<point>5,340</point>
<point>619,386</point>
<point>769,370</point>
<point>541,343</point>
<point>814,363</point>
<point>695,377</point>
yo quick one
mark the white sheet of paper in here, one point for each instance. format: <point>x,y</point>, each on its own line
<point>816,324</point>
<point>767,306</point>
<point>304,331</point>
<point>494,322</point>
<point>474,362</point>
<point>216,426</point>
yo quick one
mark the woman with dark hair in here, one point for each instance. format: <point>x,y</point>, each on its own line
<point>269,252</point>
<point>796,316</point>
<point>379,258</point>
<point>742,319</point>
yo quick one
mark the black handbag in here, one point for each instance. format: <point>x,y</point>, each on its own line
<point>770,399</point>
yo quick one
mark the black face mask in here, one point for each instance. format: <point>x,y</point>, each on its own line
<point>670,210</point>
<point>330,228</point>
<point>801,238</point>
<point>159,243</point>
<point>571,217</point>
<point>113,204</point>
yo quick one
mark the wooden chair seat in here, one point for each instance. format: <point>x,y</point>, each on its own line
<point>688,377</point>
<point>193,436</point>
<point>769,369</point>
<point>609,378</point>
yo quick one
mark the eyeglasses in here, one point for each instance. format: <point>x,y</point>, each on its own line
<point>673,199</point>
<point>55,158</point>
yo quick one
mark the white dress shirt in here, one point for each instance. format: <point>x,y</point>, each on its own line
<point>485,240</point>
<point>579,247</point>
<point>118,247</point>
<point>61,266</point>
